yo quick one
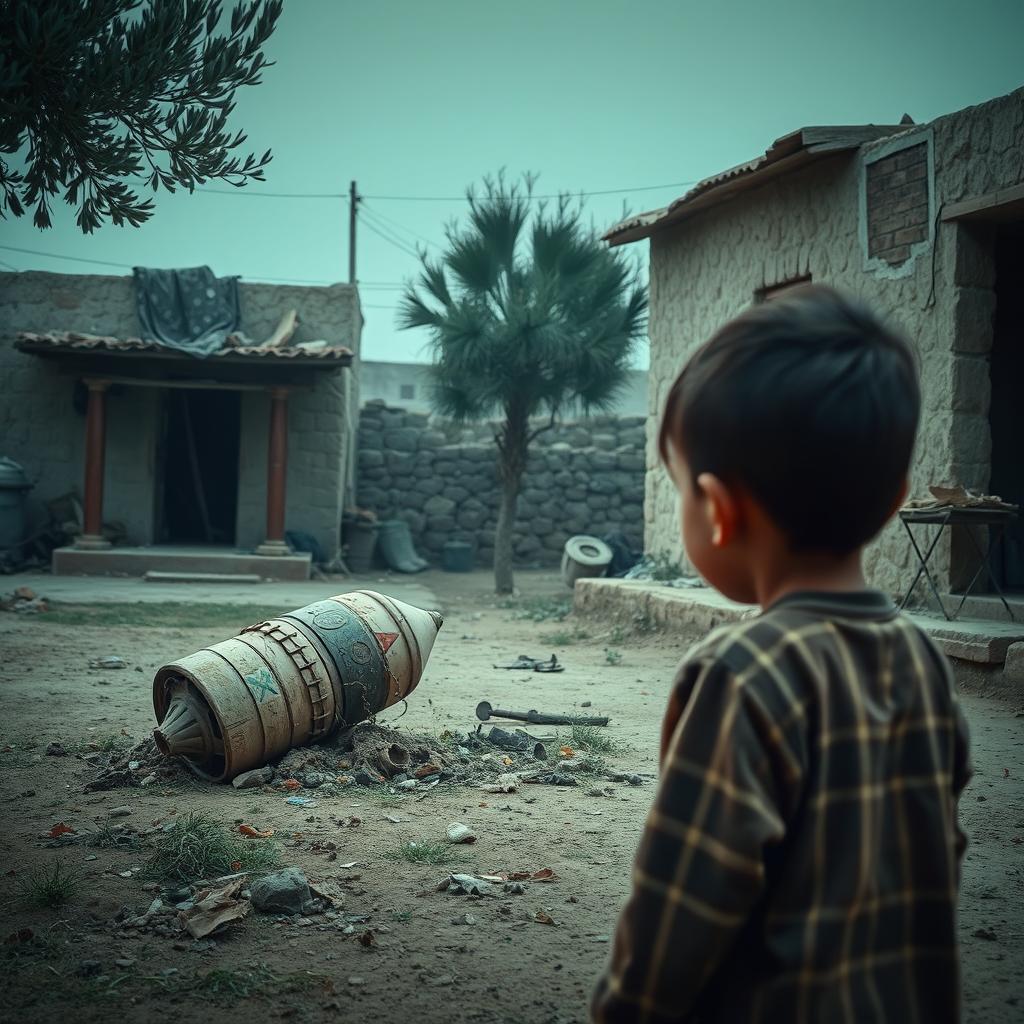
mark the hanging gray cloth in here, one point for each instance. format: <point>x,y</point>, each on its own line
<point>191,310</point>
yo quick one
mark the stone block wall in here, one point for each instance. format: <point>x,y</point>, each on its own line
<point>440,478</point>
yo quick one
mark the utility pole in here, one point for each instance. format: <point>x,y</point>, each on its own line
<point>353,203</point>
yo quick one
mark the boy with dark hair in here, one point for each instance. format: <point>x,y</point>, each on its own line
<point>801,860</point>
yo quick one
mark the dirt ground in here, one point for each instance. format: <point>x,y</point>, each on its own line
<point>431,955</point>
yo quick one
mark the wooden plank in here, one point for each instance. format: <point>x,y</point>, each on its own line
<point>1003,204</point>
<point>198,385</point>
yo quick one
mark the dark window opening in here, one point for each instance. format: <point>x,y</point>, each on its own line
<point>1006,412</point>
<point>198,467</point>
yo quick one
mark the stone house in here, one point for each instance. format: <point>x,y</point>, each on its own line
<point>926,223</point>
<point>204,463</point>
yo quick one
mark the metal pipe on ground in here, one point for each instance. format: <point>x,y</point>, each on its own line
<point>290,681</point>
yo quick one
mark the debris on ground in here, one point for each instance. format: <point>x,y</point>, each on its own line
<point>214,909</point>
<point>525,663</point>
<point>257,777</point>
<point>56,749</point>
<point>25,601</point>
<point>108,661</point>
<point>484,711</point>
<point>133,767</point>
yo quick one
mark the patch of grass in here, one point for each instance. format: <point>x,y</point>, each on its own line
<point>116,838</point>
<point>229,984</point>
<point>593,738</point>
<point>564,638</point>
<point>663,569</point>
<point>182,614</point>
<point>643,623</point>
<point>616,635</point>
<point>199,847</point>
<point>401,915</point>
<point>424,852</point>
<point>50,886</point>
<point>612,656</point>
<point>539,609</point>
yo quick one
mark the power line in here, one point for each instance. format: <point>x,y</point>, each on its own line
<point>73,259</point>
<point>401,246</point>
<point>9,266</point>
<point>401,227</point>
<point>252,194</point>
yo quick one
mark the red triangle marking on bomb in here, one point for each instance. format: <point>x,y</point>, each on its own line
<point>386,640</point>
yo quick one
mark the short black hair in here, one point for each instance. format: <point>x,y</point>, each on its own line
<point>809,402</point>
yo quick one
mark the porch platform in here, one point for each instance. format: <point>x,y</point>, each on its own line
<point>982,641</point>
<point>192,560</point>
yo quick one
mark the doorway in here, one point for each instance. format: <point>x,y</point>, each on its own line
<point>1006,413</point>
<point>198,467</point>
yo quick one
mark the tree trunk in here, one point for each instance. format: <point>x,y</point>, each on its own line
<point>503,581</point>
<point>512,445</point>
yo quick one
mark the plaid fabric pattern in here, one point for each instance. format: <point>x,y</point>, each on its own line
<point>801,860</point>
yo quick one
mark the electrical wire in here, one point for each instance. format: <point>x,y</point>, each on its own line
<point>252,194</point>
<point>401,227</point>
<point>388,238</point>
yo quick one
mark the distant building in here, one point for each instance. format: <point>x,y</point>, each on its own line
<point>204,463</point>
<point>926,222</point>
<point>408,385</point>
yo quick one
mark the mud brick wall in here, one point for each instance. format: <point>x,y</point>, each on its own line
<point>584,477</point>
<point>897,203</point>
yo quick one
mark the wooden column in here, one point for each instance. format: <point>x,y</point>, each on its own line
<point>277,475</point>
<point>95,452</point>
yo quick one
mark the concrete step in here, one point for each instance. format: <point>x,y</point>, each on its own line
<point>132,561</point>
<point>154,576</point>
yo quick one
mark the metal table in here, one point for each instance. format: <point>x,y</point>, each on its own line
<point>996,519</point>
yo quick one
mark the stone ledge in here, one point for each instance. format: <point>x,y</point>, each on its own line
<point>140,561</point>
<point>698,610</point>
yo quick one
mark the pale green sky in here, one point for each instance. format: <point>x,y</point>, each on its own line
<point>422,99</point>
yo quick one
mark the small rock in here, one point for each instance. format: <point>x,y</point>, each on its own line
<point>254,779</point>
<point>407,784</point>
<point>364,777</point>
<point>464,919</point>
<point>356,981</point>
<point>459,833</point>
<point>180,946</point>
<point>282,892</point>
<point>125,962</point>
<point>986,933</point>
<point>400,777</point>
<point>134,765</point>
<point>119,812</point>
<point>88,968</point>
<point>150,779</point>
<point>586,704</point>
<point>635,780</point>
<point>56,749</point>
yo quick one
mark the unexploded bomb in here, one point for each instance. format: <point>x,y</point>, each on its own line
<point>290,680</point>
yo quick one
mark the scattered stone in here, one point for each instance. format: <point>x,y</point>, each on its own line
<point>282,892</point>
<point>988,934</point>
<point>464,919</point>
<point>407,784</point>
<point>150,779</point>
<point>125,962</point>
<point>459,833</point>
<point>88,968</point>
<point>56,749</point>
<point>254,779</point>
<point>119,812</point>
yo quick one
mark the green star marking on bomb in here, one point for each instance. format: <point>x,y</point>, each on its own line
<point>261,683</point>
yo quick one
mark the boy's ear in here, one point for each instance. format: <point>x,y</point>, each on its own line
<point>901,497</point>
<point>722,509</point>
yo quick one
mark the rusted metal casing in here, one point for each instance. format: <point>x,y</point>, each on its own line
<point>290,681</point>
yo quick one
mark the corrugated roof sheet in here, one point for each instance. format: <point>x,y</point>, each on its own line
<point>74,341</point>
<point>785,154</point>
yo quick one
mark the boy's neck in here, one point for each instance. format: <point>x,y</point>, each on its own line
<point>791,574</point>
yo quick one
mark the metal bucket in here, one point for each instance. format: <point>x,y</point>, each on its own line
<point>290,681</point>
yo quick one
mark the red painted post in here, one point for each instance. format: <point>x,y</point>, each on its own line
<point>95,452</point>
<point>277,474</point>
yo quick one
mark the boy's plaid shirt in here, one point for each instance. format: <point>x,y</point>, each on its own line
<point>801,860</point>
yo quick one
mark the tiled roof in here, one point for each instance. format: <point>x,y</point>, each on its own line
<point>785,154</point>
<point>74,341</point>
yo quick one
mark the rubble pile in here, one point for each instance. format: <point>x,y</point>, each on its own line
<point>139,765</point>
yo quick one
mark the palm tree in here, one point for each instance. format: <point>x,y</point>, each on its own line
<point>528,312</point>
